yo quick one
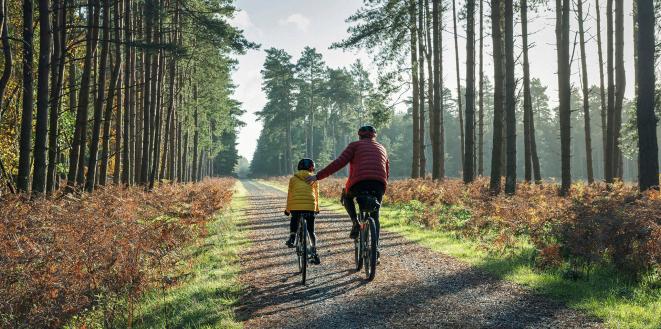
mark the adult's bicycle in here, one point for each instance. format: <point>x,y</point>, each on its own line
<point>366,244</point>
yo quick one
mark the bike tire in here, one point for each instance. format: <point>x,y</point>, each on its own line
<point>358,252</point>
<point>303,255</point>
<point>370,253</point>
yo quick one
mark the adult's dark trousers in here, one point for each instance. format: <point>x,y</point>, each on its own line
<point>375,188</point>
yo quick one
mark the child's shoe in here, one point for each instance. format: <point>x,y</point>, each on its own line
<point>290,242</point>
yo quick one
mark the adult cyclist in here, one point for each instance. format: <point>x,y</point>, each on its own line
<point>369,170</point>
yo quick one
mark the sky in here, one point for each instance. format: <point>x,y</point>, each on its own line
<point>294,24</point>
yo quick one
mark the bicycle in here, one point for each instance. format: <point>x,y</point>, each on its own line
<point>366,244</point>
<point>303,250</point>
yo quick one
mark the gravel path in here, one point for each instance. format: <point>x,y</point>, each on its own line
<point>414,286</point>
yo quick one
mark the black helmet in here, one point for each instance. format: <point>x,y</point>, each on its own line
<point>367,131</point>
<point>306,164</point>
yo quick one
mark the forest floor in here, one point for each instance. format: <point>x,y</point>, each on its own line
<point>414,286</point>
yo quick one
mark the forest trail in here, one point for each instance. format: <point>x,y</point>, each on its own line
<point>414,286</point>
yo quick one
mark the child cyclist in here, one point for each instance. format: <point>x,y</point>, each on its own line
<point>303,200</point>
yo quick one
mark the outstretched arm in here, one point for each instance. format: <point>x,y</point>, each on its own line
<point>339,163</point>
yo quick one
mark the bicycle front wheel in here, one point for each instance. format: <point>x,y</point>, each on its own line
<point>303,249</point>
<point>369,255</point>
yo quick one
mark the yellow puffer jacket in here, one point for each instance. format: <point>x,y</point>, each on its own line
<point>302,196</point>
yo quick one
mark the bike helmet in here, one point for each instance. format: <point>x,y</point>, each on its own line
<point>306,164</point>
<point>367,132</point>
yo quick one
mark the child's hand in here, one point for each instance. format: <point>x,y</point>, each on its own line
<point>287,213</point>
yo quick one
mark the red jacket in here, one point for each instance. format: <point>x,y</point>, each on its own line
<point>368,161</point>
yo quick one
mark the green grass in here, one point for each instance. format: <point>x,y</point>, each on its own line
<point>206,298</point>
<point>617,300</point>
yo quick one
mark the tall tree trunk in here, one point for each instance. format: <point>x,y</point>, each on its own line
<point>480,142</point>
<point>57,80</point>
<point>421,90</point>
<point>469,149</point>
<point>126,134</point>
<point>609,166</point>
<point>458,71</point>
<point>415,166</point>
<point>23,181</point>
<point>100,100</point>
<point>114,90</point>
<point>431,109</point>
<point>620,81</point>
<point>77,151</point>
<point>6,51</point>
<point>496,150</point>
<point>158,121</point>
<point>4,79</point>
<point>196,136</point>
<point>586,93</point>
<point>41,129</point>
<point>562,37</point>
<point>436,152</point>
<point>527,98</point>
<point>648,150</point>
<point>510,98</point>
<point>146,95</point>
<point>602,87</point>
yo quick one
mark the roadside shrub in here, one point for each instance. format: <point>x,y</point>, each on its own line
<point>64,255</point>
<point>596,224</point>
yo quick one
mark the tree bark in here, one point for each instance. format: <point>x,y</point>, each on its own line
<point>562,37</point>
<point>77,151</point>
<point>6,51</point>
<point>146,95</point>
<point>469,149</point>
<point>23,180</point>
<point>58,60</point>
<point>100,100</point>
<point>421,90</point>
<point>196,136</point>
<point>620,81</point>
<point>430,86</point>
<point>648,151</point>
<point>609,168</point>
<point>602,87</point>
<point>586,93</point>
<point>114,90</point>
<point>437,149</point>
<point>527,98</point>
<point>460,109</point>
<point>510,98</point>
<point>496,150</point>
<point>415,166</point>
<point>480,157</point>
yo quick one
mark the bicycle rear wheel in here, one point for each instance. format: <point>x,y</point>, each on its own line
<point>303,249</point>
<point>358,252</point>
<point>369,255</point>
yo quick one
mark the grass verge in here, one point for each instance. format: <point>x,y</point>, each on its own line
<point>617,300</point>
<point>207,295</point>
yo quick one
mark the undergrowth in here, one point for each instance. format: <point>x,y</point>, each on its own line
<point>66,256</point>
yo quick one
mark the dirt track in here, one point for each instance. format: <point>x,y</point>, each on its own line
<point>414,287</point>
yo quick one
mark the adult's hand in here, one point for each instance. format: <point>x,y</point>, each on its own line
<point>311,179</point>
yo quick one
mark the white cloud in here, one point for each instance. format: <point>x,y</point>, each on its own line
<point>241,20</point>
<point>301,22</point>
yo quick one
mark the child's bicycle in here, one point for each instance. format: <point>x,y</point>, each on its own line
<point>303,248</point>
<point>366,244</point>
